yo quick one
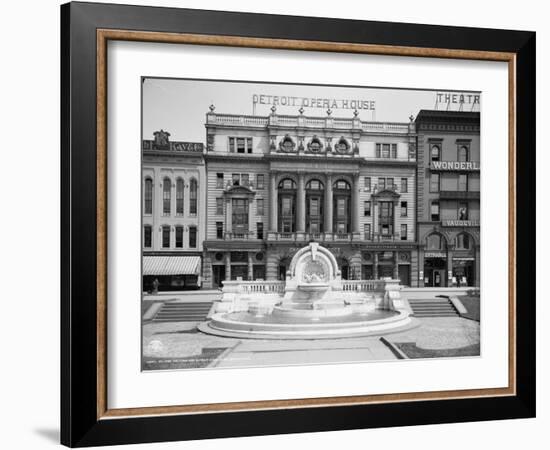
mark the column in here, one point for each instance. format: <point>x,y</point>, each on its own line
<point>250,267</point>
<point>375,266</point>
<point>228,215</point>
<point>356,208</point>
<point>374,212</point>
<point>228,266</point>
<point>421,274</point>
<point>300,205</point>
<point>449,267</point>
<point>395,275</point>
<point>273,202</point>
<point>328,204</point>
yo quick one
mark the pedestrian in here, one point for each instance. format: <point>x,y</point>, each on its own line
<point>155,286</point>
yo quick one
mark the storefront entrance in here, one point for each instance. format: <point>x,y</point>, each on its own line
<point>239,271</point>
<point>434,272</point>
<point>218,275</point>
<point>464,272</point>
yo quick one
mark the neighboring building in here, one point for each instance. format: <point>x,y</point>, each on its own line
<point>173,202</point>
<point>276,182</point>
<point>448,198</point>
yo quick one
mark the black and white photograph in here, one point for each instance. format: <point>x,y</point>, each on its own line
<point>293,224</point>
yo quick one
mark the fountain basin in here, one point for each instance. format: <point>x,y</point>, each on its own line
<point>245,325</point>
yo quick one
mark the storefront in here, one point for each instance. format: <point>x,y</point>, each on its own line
<point>463,271</point>
<point>435,267</point>
<point>171,273</point>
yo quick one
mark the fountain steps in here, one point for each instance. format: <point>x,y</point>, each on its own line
<point>183,312</point>
<point>433,308</point>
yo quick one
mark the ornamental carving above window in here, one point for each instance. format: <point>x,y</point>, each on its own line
<point>315,145</point>
<point>342,146</point>
<point>287,144</point>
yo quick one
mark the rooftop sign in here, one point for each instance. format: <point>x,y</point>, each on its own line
<point>457,101</point>
<point>313,102</point>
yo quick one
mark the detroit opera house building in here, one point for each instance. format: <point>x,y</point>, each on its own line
<point>396,200</point>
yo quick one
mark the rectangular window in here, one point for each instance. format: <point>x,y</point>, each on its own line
<point>236,179</point>
<point>341,207</point>
<point>314,209</point>
<point>231,145</point>
<point>389,183</point>
<point>381,184</point>
<point>404,185</point>
<point>394,151</point>
<point>240,215</point>
<point>165,237</point>
<point>386,229</point>
<point>147,236</point>
<point>378,151</point>
<point>386,210</point>
<point>192,237</point>
<point>403,231</point>
<point>403,209</point>
<point>434,182</point>
<point>241,148</point>
<point>260,181</point>
<point>249,145</point>
<point>219,230</point>
<point>245,179</point>
<point>179,237</point>
<point>366,211</point>
<point>260,230</point>
<point>385,150</point>
<point>219,181</point>
<point>260,207</point>
<point>434,210</point>
<point>462,182</point>
<point>367,184</point>
<point>366,228</point>
<point>148,196</point>
<point>219,206</point>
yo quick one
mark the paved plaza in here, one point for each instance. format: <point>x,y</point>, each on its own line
<point>180,345</point>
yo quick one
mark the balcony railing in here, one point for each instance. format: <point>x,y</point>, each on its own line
<point>231,236</point>
<point>459,195</point>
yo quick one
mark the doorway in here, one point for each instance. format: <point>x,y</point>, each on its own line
<point>218,276</point>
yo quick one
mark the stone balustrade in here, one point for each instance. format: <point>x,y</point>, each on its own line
<point>258,286</point>
<point>363,285</point>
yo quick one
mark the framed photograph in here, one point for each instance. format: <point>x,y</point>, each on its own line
<point>276,224</point>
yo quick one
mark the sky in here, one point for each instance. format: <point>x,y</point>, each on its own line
<point>179,106</point>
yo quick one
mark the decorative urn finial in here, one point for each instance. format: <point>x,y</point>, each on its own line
<point>301,110</point>
<point>329,112</point>
<point>212,107</point>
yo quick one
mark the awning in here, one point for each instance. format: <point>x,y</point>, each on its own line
<point>171,265</point>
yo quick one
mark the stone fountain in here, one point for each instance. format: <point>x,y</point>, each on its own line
<point>314,302</point>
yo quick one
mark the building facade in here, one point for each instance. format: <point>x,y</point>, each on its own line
<point>276,183</point>
<point>173,213</point>
<point>448,198</point>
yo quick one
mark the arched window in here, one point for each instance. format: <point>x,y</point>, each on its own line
<point>179,197</point>
<point>342,185</point>
<point>315,185</point>
<point>463,241</point>
<point>166,196</point>
<point>463,153</point>
<point>287,183</point>
<point>193,196</point>
<point>435,153</point>
<point>435,242</point>
<point>148,196</point>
